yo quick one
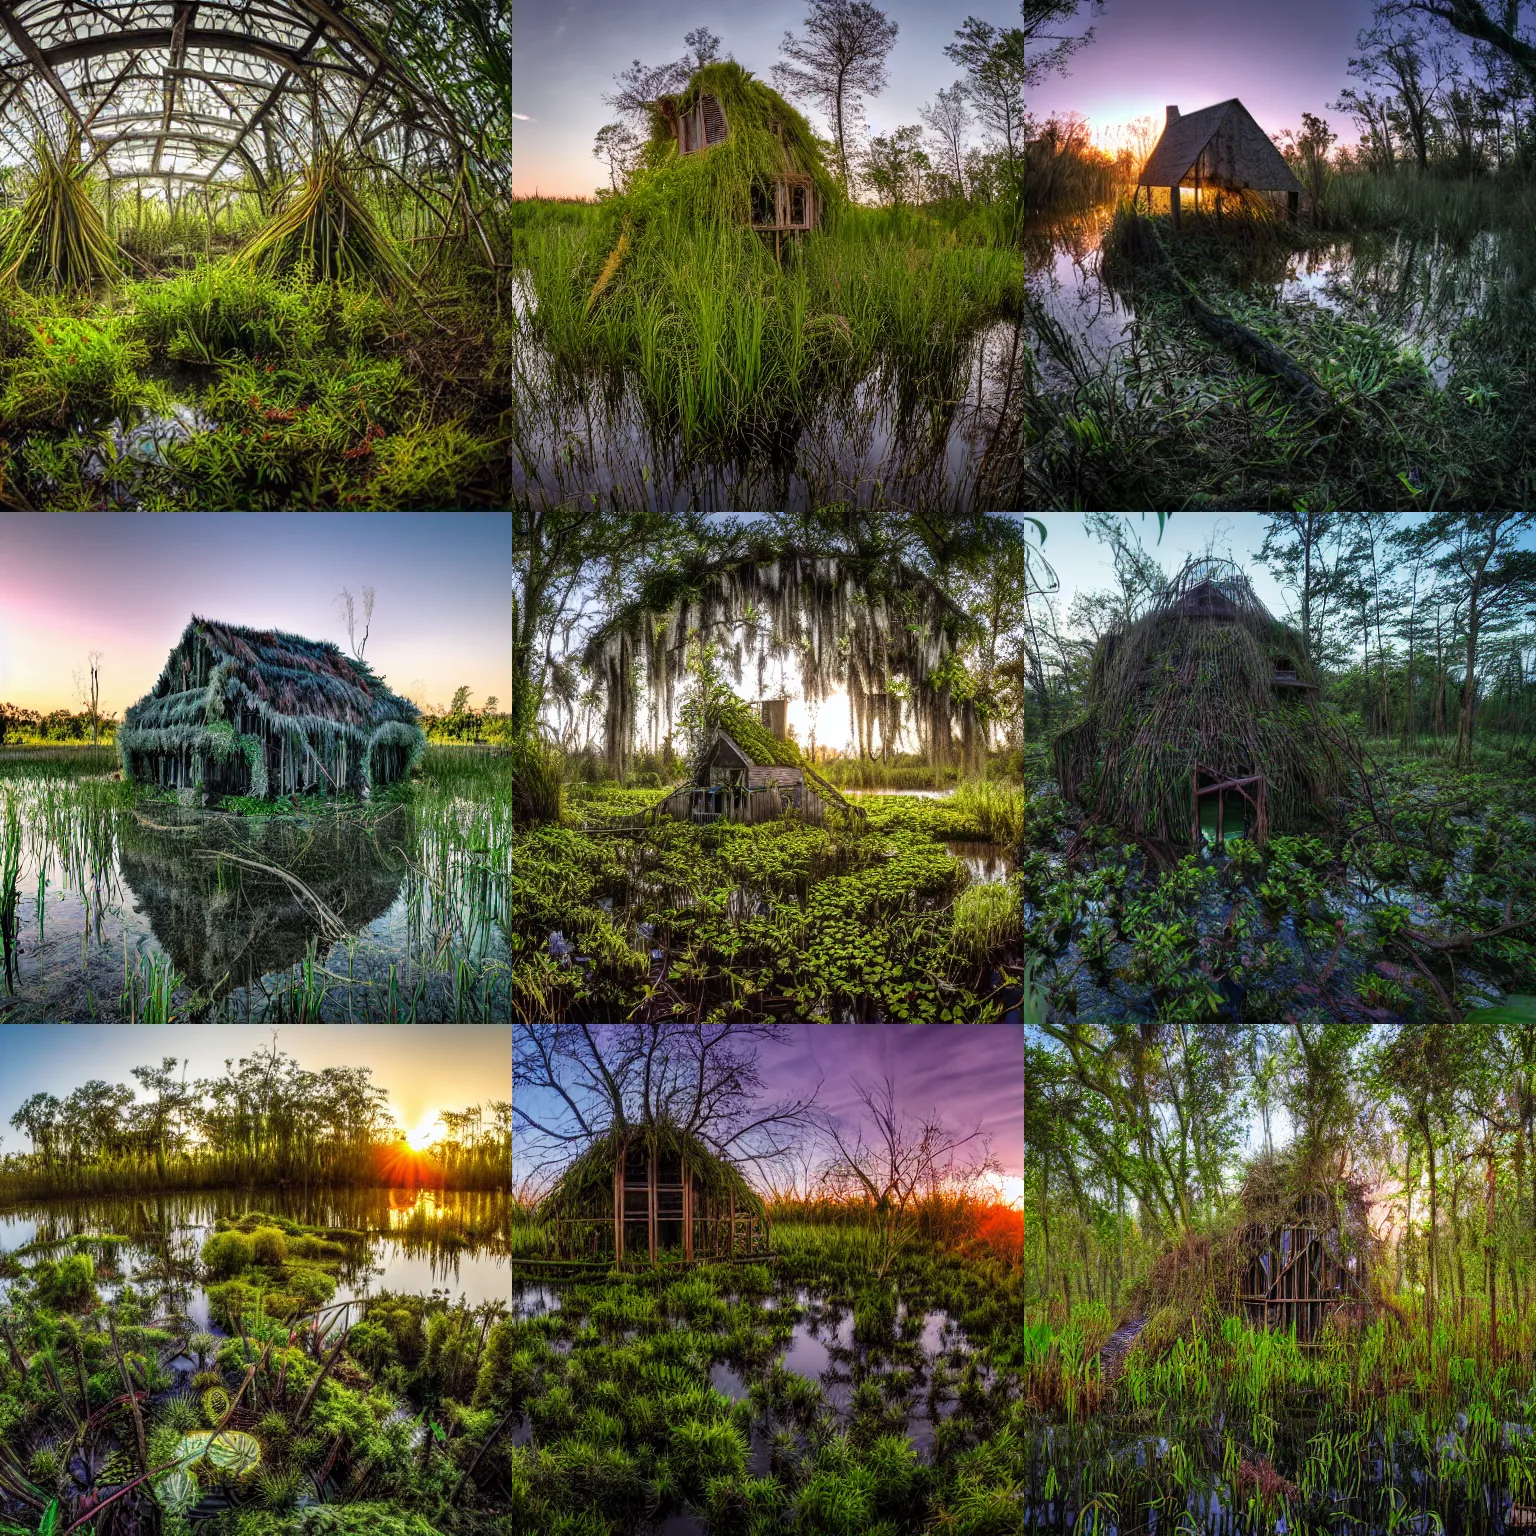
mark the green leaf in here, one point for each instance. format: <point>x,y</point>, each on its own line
<point>177,1491</point>
<point>230,1451</point>
<point>1516,1009</point>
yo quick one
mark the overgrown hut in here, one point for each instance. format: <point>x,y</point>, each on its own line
<point>1221,150</point>
<point>239,711</point>
<point>1297,1269</point>
<point>751,154</point>
<point>654,1193</point>
<point>1202,720</point>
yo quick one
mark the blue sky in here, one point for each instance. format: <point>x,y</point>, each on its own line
<point>127,585</point>
<point>1146,54</point>
<point>423,1068</point>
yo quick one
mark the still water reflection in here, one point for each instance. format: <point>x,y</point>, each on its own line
<point>419,1241</point>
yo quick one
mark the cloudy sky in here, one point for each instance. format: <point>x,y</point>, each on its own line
<point>971,1076</point>
<point>423,1068</point>
<point>1281,60</point>
<point>127,586</point>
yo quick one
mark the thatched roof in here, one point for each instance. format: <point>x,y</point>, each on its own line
<point>278,674</point>
<point>587,1185</point>
<point>731,718</point>
<point>1225,144</point>
<point>1205,678</point>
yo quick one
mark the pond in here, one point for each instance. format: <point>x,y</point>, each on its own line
<point>988,863</point>
<point>950,443</point>
<point>821,1347</point>
<point>337,916</point>
<point>419,1240</point>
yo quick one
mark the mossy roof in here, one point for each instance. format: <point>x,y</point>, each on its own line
<point>765,137</point>
<point>281,674</point>
<point>586,1187</point>
<point>734,717</point>
<point>1193,683</point>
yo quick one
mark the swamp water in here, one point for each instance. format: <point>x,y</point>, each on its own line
<point>950,442</point>
<point>821,1348</point>
<point>330,918</point>
<point>419,1240</point>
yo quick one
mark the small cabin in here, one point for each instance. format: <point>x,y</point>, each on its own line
<point>1219,149</point>
<point>729,786</point>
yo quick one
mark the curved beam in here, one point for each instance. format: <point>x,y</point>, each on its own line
<point>195,37</point>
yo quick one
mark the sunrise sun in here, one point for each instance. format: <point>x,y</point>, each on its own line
<point>424,1134</point>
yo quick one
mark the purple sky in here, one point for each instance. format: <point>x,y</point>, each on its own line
<point>1280,59</point>
<point>127,585</point>
<point>968,1074</point>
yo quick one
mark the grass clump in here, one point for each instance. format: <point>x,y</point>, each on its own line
<point>73,368</point>
<point>986,917</point>
<point>327,231</point>
<point>57,238</point>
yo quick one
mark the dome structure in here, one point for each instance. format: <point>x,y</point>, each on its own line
<point>210,91</point>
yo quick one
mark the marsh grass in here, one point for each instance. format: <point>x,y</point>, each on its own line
<point>723,342</point>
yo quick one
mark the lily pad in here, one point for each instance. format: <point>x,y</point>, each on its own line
<point>230,1451</point>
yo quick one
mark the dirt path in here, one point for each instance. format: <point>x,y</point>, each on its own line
<point>1116,1347</point>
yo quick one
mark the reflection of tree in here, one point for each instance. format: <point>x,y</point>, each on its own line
<point>225,925</point>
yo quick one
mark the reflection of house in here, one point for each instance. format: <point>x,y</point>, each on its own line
<point>645,1192</point>
<point>1221,149</point>
<point>224,925</point>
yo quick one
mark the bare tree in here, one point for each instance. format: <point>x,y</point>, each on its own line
<point>891,1158</point>
<point>839,60</point>
<point>949,119</point>
<point>640,85</point>
<point>88,691</point>
<point>582,1083</point>
<point>347,611</point>
<point>1475,20</point>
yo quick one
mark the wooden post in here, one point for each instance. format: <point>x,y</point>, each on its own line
<point>618,1206</point>
<point>1173,207</point>
<point>1221,800</point>
<point>1292,206</point>
<point>650,1199</point>
<point>731,1251</point>
<point>687,1215</point>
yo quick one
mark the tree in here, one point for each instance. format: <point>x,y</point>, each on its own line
<point>620,147</point>
<point>1000,69</point>
<point>1293,549</point>
<point>1306,149</point>
<point>949,118</point>
<point>889,1157</point>
<point>1403,61</point>
<point>1472,19</point>
<point>88,690</point>
<point>38,1117</point>
<point>703,48</point>
<point>575,1083</point>
<point>838,61</point>
<point>172,1099</point>
<point>347,611</point>
<point>640,84</point>
<point>1479,551</point>
<point>895,165</point>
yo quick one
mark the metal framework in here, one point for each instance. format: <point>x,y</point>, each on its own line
<point>207,91</point>
<point>1298,1270</point>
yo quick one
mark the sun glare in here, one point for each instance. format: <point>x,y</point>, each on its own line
<point>1009,1187</point>
<point>424,1135</point>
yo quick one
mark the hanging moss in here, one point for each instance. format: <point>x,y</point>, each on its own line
<point>845,619</point>
<point>296,714</point>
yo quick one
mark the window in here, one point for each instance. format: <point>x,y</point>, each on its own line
<point>763,209</point>
<point>799,205</point>
<point>685,134</point>
<point>714,120</point>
